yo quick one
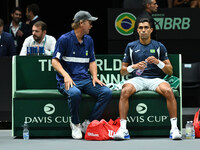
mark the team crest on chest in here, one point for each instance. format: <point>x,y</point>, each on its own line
<point>86,52</point>
<point>152,50</point>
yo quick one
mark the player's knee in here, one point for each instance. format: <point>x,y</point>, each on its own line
<point>168,92</point>
<point>125,93</point>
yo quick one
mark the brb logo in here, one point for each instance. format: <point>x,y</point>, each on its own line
<point>171,23</point>
<point>125,23</point>
<point>141,108</point>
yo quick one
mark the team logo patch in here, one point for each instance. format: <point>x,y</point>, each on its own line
<point>125,23</point>
<point>86,53</point>
<point>152,50</point>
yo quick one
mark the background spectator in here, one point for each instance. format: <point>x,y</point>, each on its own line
<point>39,38</point>
<point>181,3</point>
<point>32,12</point>
<point>195,4</point>
<point>7,47</point>
<point>17,28</point>
<point>151,6</point>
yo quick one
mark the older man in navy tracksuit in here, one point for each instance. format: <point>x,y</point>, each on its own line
<point>73,56</point>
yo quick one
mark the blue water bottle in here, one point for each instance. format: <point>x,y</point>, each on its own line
<point>41,50</point>
<point>29,50</point>
<point>35,50</point>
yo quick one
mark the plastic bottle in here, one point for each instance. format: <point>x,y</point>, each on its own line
<point>41,51</point>
<point>28,51</point>
<point>189,131</point>
<point>140,71</point>
<point>25,131</point>
<point>193,130</point>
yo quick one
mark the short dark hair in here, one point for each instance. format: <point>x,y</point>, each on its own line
<point>145,2</point>
<point>41,24</point>
<point>15,9</point>
<point>34,8</point>
<point>145,20</point>
<point>1,22</point>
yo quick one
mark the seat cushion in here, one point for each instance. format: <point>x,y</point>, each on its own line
<point>38,93</point>
<point>54,93</point>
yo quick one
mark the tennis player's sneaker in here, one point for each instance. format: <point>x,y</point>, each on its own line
<point>85,125</point>
<point>175,134</point>
<point>76,131</point>
<point>122,134</point>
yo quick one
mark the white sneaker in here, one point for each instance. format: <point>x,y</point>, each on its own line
<point>85,125</point>
<point>175,134</point>
<point>76,131</point>
<point>122,134</point>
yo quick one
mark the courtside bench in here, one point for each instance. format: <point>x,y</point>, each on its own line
<point>36,100</point>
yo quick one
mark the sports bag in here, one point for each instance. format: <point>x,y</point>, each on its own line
<point>102,130</point>
<point>196,124</point>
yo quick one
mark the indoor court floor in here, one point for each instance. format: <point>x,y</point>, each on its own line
<point>7,142</point>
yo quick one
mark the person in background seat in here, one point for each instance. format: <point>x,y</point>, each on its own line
<point>39,38</point>
<point>7,46</point>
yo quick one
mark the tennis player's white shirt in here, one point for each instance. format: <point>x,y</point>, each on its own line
<point>48,42</point>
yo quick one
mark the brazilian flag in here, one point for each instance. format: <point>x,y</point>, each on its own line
<point>125,23</point>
